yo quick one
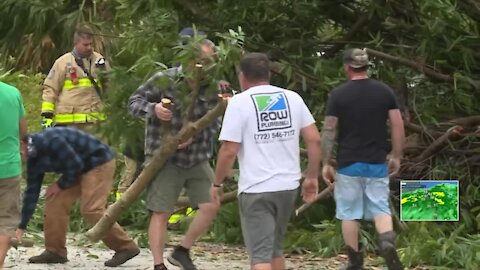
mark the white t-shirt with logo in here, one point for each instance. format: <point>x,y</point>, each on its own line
<point>266,121</point>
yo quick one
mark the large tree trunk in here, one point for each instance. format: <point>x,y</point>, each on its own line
<point>166,150</point>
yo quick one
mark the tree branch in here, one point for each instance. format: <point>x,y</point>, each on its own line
<point>166,125</point>
<point>324,194</point>
<point>362,20</point>
<point>467,122</point>
<point>226,198</point>
<point>344,42</point>
<point>299,75</point>
<point>452,134</point>
<point>160,157</point>
<point>412,64</point>
<point>422,130</point>
<point>194,85</point>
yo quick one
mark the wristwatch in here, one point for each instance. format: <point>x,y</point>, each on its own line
<point>217,186</point>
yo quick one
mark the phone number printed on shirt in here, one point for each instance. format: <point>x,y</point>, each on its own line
<point>268,137</point>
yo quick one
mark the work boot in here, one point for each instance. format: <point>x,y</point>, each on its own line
<point>181,257</point>
<point>120,257</point>
<point>386,245</point>
<point>355,258</point>
<point>48,257</point>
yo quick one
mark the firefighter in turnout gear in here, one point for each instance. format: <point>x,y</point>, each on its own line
<point>72,90</point>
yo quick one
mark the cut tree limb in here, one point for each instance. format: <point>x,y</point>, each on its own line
<point>24,243</point>
<point>323,194</point>
<point>166,125</point>
<point>452,134</point>
<point>467,122</point>
<point>160,157</point>
<point>226,198</point>
<point>422,130</point>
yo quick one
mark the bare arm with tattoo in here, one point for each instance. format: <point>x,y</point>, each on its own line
<point>328,138</point>
<point>327,142</point>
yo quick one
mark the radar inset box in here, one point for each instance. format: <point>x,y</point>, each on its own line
<point>429,200</point>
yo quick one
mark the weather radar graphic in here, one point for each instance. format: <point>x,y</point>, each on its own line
<point>428,200</point>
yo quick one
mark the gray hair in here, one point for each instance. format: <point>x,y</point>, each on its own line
<point>82,32</point>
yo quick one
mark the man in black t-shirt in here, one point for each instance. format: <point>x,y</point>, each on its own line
<point>359,109</point>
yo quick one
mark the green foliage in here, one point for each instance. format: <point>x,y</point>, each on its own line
<point>49,31</point>
<point>439,244</point>
<point>137,216</point>
<point>327,241</point>
<point>136,66</point>
<point>227,226</point>
<point>28,84</point>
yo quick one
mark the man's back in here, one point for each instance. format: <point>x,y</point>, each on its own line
<point>64,148</point>
<point>268,128</point>
<point>11,111</point>
<point>362,107</point>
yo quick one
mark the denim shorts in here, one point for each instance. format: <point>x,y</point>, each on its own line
<point>361,197</point>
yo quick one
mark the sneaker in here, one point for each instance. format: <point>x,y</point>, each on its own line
<point>48,257</point>
<point>181,257</point>
<point>120,257</point>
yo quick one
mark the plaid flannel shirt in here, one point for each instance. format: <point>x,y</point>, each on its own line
<point>142,104</point>
<point>63,150</point>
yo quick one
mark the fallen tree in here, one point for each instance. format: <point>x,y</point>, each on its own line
<point>160,157</point>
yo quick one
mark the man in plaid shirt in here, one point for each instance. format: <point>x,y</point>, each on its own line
<point>87,167</point>
<point>188,168</point>
<point>145,103</point>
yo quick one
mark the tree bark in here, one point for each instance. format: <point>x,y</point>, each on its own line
<point>438,144</point>
<point>422,130</point>
<point>167,149</point>
<point>226,198</point>
<point>323,194</point>
<point>412,64</point>
<point>467,122</point>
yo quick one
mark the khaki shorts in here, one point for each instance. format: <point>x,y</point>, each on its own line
<point>164,190</point>
<point>9,205</point>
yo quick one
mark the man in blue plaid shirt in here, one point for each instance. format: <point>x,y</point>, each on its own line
<point>87,168</point>
<point>188,168</point>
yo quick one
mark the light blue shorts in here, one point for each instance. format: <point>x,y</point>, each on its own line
<point>361,197</point>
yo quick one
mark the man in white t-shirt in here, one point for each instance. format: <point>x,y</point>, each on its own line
<point>262,126</point>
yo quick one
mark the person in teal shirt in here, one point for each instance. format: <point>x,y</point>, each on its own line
<point>12,127</point>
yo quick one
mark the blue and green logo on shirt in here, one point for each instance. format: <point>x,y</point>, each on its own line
<point>273,111</point>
